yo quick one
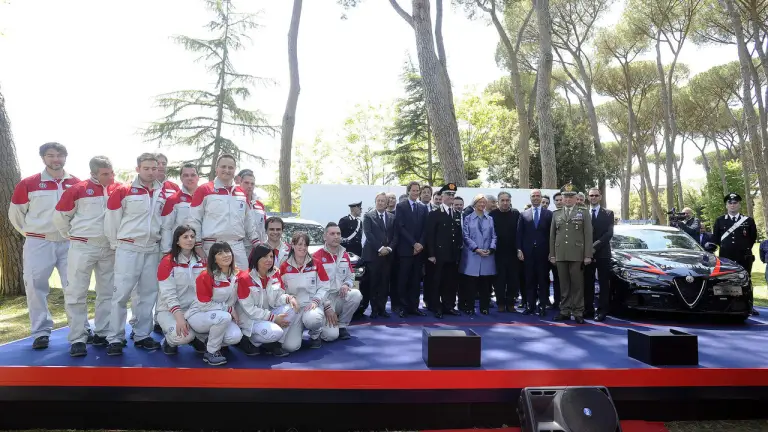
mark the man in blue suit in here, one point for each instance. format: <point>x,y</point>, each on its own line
<point>533,249</point>
<point>411,223</point>
<point>705,237</point>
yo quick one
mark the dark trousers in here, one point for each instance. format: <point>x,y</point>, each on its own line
<point>507,279</point>
<point>393,291</point>
<point>409,273</point>
<point>537,280</point>
<point>603,267</point>
<point>445,286</point>
<point>555,286</point>
<point>379,273</point>
<point>478,286</point>
<point>745,260</point>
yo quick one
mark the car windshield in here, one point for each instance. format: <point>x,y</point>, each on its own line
<point>651,239</point>
<point>314,231</point>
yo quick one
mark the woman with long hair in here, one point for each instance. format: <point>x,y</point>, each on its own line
<point>212,311</point>
<point>477,261</point>
<point>261,304</point>
<point>304,278</point>
<point>176,275</point>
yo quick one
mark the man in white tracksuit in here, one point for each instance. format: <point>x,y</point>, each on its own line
<point>280,249</point>
<point>220,213</point>
<point>132,225</point>
<point>31,214</point>
<point>79,217</point>
<point>343,299</point>
<point>247,182</point>
<point>176,210</point>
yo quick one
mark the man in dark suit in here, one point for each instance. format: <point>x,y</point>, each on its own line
<point>380,242</point>
<point>533,249</point>
<point>507,284</point>
<point>411,226</point>
<point>705,237</point>
<point>444,243</point>
<point>602,233</point>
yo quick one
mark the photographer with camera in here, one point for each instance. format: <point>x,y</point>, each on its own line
<point>685,221</point>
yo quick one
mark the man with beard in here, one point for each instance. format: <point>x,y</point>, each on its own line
<point>31,212</point>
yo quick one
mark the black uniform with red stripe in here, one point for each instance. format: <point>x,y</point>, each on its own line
<point>736,246</point>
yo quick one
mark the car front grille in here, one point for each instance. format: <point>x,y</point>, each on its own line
<point>690,292</point>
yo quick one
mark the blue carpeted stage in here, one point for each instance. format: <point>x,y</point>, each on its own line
<point>382,364</point>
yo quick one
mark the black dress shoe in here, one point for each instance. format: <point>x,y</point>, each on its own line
<point>453,312</point>
<point>561,317</point>
<point>527,311</point>
<point>417,313</point>
<point>579,320</point>
<point>600,317</point>
<point>542,313</point>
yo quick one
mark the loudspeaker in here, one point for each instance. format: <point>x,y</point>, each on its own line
<point>567,409</point>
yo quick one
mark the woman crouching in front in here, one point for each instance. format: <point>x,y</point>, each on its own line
<point>264,308</point>
<point>304,278</point>
<point>212,311</point>
<point>177,274</point>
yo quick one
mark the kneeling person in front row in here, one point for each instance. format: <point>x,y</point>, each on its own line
<point>304,277</point>
<point>212,311</point>
<point>260,296</point>
<point>177,274</point>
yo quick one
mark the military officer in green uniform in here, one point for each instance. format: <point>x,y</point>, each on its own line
<point>570,249</point>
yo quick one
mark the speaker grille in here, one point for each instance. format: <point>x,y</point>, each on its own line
<point>588,410</point>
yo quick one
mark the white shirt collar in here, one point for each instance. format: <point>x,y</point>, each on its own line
<point>596,208</point>
<point>446,208</point>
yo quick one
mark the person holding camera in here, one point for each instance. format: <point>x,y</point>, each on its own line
<point>690,225</point>
<point>736,233</point>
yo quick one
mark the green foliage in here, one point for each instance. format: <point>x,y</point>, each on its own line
<point>411,133</point>
<point>207,119</point>
<point>364,137</point>
<point>714,193</point>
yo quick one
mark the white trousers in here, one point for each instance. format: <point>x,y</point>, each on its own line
<point>82,261</point>
<point>219,326</point>
<point>344,308</point>
<point>40,257</point>
<point>311,320</point>
<point>139,269</point>
<point>238,249</point>
<point>168,322</point>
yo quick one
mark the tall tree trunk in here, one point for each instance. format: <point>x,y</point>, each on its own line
<point>746,163</point>
<point>669,138</point>
<point>720,167</point>
<point>704,158</point>
<point>289,117</point>
<point>524,127</point>
<point>678,183</point>
<point>430,172</point>
<point>222,82</point>
<point>11,242</point>
<point>595,129</point>
<point>656,214</point>
<point>437,94</point>
<point>745,61</point>
<point>544,97</point>
<point>643,198</point>
<point>628,159</point>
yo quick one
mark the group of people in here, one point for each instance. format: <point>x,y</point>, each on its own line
<point>460,254</point>
<point>203,265</point>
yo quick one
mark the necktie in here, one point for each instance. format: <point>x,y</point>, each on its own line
<point>594,214</point>
<point>413,207</point>
<point>536,217</point>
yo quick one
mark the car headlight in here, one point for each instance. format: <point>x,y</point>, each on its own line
<point>738,277</point>
<point>635,274</point>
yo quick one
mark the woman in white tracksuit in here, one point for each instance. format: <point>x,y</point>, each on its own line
<point>265,310</point>
<point>304,278</point>
<point>212,311</point>
<point>177,274</point>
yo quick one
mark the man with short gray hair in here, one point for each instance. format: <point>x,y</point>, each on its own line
<point>507,282</point>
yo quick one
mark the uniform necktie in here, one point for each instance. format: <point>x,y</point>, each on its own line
<point>594,214</point>
<point>536,217</point>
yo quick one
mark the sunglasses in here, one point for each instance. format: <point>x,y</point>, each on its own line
<point>594,196</point>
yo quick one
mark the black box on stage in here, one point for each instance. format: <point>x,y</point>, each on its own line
<point>450,347</point>
<point>567,409</point>
<point>663,348</point>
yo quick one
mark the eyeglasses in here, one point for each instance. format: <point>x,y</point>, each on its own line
<point>594,196</point>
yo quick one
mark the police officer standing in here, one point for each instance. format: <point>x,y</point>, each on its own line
<point>736,233</point>
<point>444,242</point>
<point>570,248</point>
<point>352,229</point>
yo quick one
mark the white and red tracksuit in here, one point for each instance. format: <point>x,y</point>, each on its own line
<point>309,284</point>
<point>259,221</point>
<point>132,225</point>
<point>170,188</point>
<point>177,279</point>
<point>79,216</point>
<point>338,266</point>
<point>257,301</point>
<point>31,213</point>
<point>221,213</point>
<point>280,253</point>
<point>175,213</point>
<point>210,312</point>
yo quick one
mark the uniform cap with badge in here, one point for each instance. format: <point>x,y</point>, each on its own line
<point>732,197</point>
<point>568,190</point>
<point>357,204</point>
<point>449,188</point>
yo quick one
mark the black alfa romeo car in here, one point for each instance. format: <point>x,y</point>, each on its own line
<point>663,269</point>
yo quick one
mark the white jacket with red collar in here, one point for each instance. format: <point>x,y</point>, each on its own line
<point>79,215</point>
<point>307,282</point>
<point>34,202</point>
<point>133,215</point>
<point>222,213</point>
<point>177,279</point>
<point>259,219</point>
<point>338,267</point>
<point>213,293</point>
<point>175,213</point>
<point>170,188</point>
<point>256,297</point>
<point>281,253</point>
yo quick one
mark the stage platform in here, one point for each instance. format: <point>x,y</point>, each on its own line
<point>381,369</point>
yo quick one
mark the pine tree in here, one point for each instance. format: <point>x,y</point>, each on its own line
<point>205,119</point>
